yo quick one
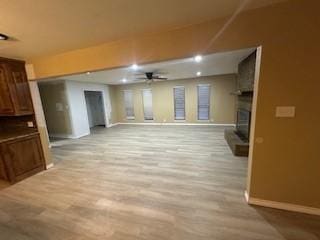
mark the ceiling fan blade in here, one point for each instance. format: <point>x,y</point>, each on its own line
<point>139,73</point>
<point>160,73</point>
<point>159,80</point>
<point>163,78</point>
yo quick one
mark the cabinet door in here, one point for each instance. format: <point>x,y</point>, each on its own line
<point>6,105</point>
<point>20,89</point>
<point>3,174</point>
<point>25,157</point>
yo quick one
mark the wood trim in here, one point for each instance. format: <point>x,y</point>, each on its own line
<point>281,205</point>
<point>253,115</point>
<point>175,123</point>
<point>49,166</point>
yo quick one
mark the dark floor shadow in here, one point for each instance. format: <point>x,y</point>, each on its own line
<point>291,225</point>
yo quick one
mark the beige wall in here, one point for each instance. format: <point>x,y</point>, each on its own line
<point>222,103</point>
<point>285,157</point>
<point>58,122</point>
<point>113,101</point>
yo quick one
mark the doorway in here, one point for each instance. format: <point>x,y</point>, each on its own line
<point>95,109</point>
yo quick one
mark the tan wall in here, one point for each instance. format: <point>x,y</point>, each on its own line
<point>222,103</point>
<point>114,103</point>
<point>58,122</point>
<point>285,160</point>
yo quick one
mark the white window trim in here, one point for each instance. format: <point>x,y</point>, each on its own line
<point>174,105</point>
<point>129,117</point>
<point>144,119</point>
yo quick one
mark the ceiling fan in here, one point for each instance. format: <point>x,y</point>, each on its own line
<point>150,77</point>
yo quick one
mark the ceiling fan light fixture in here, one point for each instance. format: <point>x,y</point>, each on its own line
<point>198,74</point>
<point>3,37</point>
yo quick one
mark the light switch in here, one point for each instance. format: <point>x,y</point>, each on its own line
<point>285,111</point>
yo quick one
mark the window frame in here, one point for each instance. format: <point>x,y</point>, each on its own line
<point>209,101</point>
<point>184,101</point>
<point>143,104</point>
<point>125,105</point>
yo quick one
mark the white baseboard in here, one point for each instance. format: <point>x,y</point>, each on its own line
<point>58,135</point>
<point>246,196</point>
<point>49,166</point>
<point>69,136</point>
<point>80,136</point>
<point>112,125</point>
<point>281,205</point>
<point>175,123</point>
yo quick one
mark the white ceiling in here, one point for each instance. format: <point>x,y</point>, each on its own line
<point>213,64</point>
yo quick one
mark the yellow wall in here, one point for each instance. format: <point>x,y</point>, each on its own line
<point>285,160</point>
<point>222,106</point>
<point>58,122</point>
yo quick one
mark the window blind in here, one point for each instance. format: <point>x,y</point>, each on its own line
<point>203,102</point>
<point>179,103</point>
<point>147,104</point>
<point>128,102</point>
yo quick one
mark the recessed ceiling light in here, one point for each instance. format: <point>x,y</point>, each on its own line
<point>134,66</point>
<point>124,80</point>
<point>198,73</point>
<point>3,37</point>
<point>198,58</point>
<point>88,73</point>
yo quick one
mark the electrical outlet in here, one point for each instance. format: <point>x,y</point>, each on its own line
<point>30,124</point>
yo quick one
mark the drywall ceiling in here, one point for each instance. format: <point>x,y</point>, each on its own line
<point>44,27</point>
<point>213,64</point>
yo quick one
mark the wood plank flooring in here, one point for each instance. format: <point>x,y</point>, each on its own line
<point>146,183</point>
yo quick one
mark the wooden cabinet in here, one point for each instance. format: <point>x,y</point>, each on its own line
<point>21,153</point>
<point>22,157</point>
<point>15,97</point>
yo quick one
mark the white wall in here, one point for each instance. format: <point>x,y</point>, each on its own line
<point>77,105</point>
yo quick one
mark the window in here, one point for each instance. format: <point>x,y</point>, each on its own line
<point>203,102</point>
<point>128,102</point>
<point>179,103</point>
<point>147,104</point>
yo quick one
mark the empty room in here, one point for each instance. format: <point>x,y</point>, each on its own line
<point>159,119</point>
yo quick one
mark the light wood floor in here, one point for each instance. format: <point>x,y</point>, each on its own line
<point>146,183</point>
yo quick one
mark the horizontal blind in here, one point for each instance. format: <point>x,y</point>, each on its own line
<point>179,103</point>
<point>147,104</point>
<point>128,102</point>
<point>203,102</point>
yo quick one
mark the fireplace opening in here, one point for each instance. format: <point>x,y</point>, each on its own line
<point>243,124</point>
